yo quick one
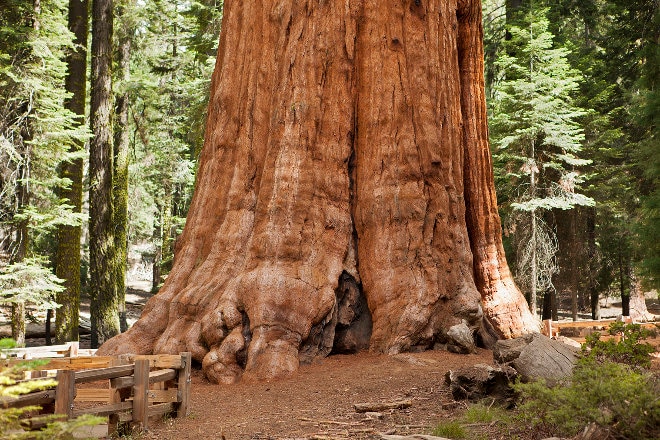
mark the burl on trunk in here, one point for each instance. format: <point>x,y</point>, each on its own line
<point>344,196</point>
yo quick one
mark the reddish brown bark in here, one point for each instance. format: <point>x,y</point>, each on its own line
<point>330,209</point>
<point>501,299</point>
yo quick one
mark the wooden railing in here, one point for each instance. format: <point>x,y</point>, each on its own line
<point>553,328</point>
<point>70,349</point>
<point>130,389</point>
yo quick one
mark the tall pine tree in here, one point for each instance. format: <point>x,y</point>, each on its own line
<point>104,298</point>
<point>537,138</point>
<point>36,132</point>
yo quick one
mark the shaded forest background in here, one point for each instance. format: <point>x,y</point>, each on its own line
<point>102,111</point>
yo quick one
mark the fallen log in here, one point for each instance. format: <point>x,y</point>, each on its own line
<point>381,406</point>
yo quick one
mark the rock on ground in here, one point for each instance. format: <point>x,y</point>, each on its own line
<point>536,356</point>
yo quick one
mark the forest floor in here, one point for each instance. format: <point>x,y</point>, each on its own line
<point>317,402</point>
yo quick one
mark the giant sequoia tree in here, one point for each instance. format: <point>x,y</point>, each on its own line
<point>344,196</point>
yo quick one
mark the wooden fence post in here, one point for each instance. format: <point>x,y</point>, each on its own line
<point>73,348</point>
<point>140,393</point>
<point>547,327</point>
<point>184,385</point>
<point>65,392</point>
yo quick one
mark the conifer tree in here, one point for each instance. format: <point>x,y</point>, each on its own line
<point>35,134</point>
<point>68,256</point>
<point>104,298</point>
<point>126,27</point>
<point>537,138</point>
<point>170,79</point>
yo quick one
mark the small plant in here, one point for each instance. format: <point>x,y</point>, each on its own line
<point>452,429</point>
<point>473,422</point>
<point>480,413</point>
<point>629,349</point>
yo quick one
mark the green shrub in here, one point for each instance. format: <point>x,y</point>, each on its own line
<point>612,395</point>
<point>480,413</point>
<point>628,350</point>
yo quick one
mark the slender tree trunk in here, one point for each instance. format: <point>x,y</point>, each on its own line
<point>22,201</point>
<point>21,237</point>
<point>336,166</point>
<point>156,268</point>
<point>68,260</point>
<point>121,162</point>
<point>593,268</point>
<point>166,237</point>
<point>533,268</point>
<point>162,234</point>
<point>104,304</point>
<point>575,266</point>
<point>49,317</point>
<point>592,264</point>
<point>18,323</point>
<point>623,290</point>
<point>549,305</point>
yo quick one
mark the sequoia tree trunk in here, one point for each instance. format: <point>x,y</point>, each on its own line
<point>344,196</point>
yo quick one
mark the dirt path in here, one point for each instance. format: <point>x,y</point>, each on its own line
<point>317,403</point>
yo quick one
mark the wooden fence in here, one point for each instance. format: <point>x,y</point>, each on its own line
<point>126,389</point>
<point>553,328</point>
<point>70,349</point>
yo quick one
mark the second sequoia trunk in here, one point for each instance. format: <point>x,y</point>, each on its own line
<point>344,197</point>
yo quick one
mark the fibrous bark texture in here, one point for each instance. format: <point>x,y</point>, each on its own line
<point>334,200</point>
<point>104,302</point>
<point>68,261</point>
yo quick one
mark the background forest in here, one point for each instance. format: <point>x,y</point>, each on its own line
<point>102,110</point>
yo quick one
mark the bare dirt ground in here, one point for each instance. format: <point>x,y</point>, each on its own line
<point>317,403</point>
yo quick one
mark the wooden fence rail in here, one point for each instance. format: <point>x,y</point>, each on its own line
<point>553,328</point>
<point>70,349</point>
<point>134,388</point>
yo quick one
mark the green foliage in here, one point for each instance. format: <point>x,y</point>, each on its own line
<point>534,127</point>
<point>6,343</point>
<point>649,159</point>
<point>613,60</point>
<point>480,413</point>
<point>537,139</point>
<point>35,128</point>
<point>30,282</point>
<point>172,62</point>
<point>629,349</point>
<point>472,422</point>
<point>612,395</point>
<point>608,387</point>
<point>451,429</point>
<point>35,134</point>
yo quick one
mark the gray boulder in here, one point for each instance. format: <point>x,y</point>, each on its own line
<point>536,356</point>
